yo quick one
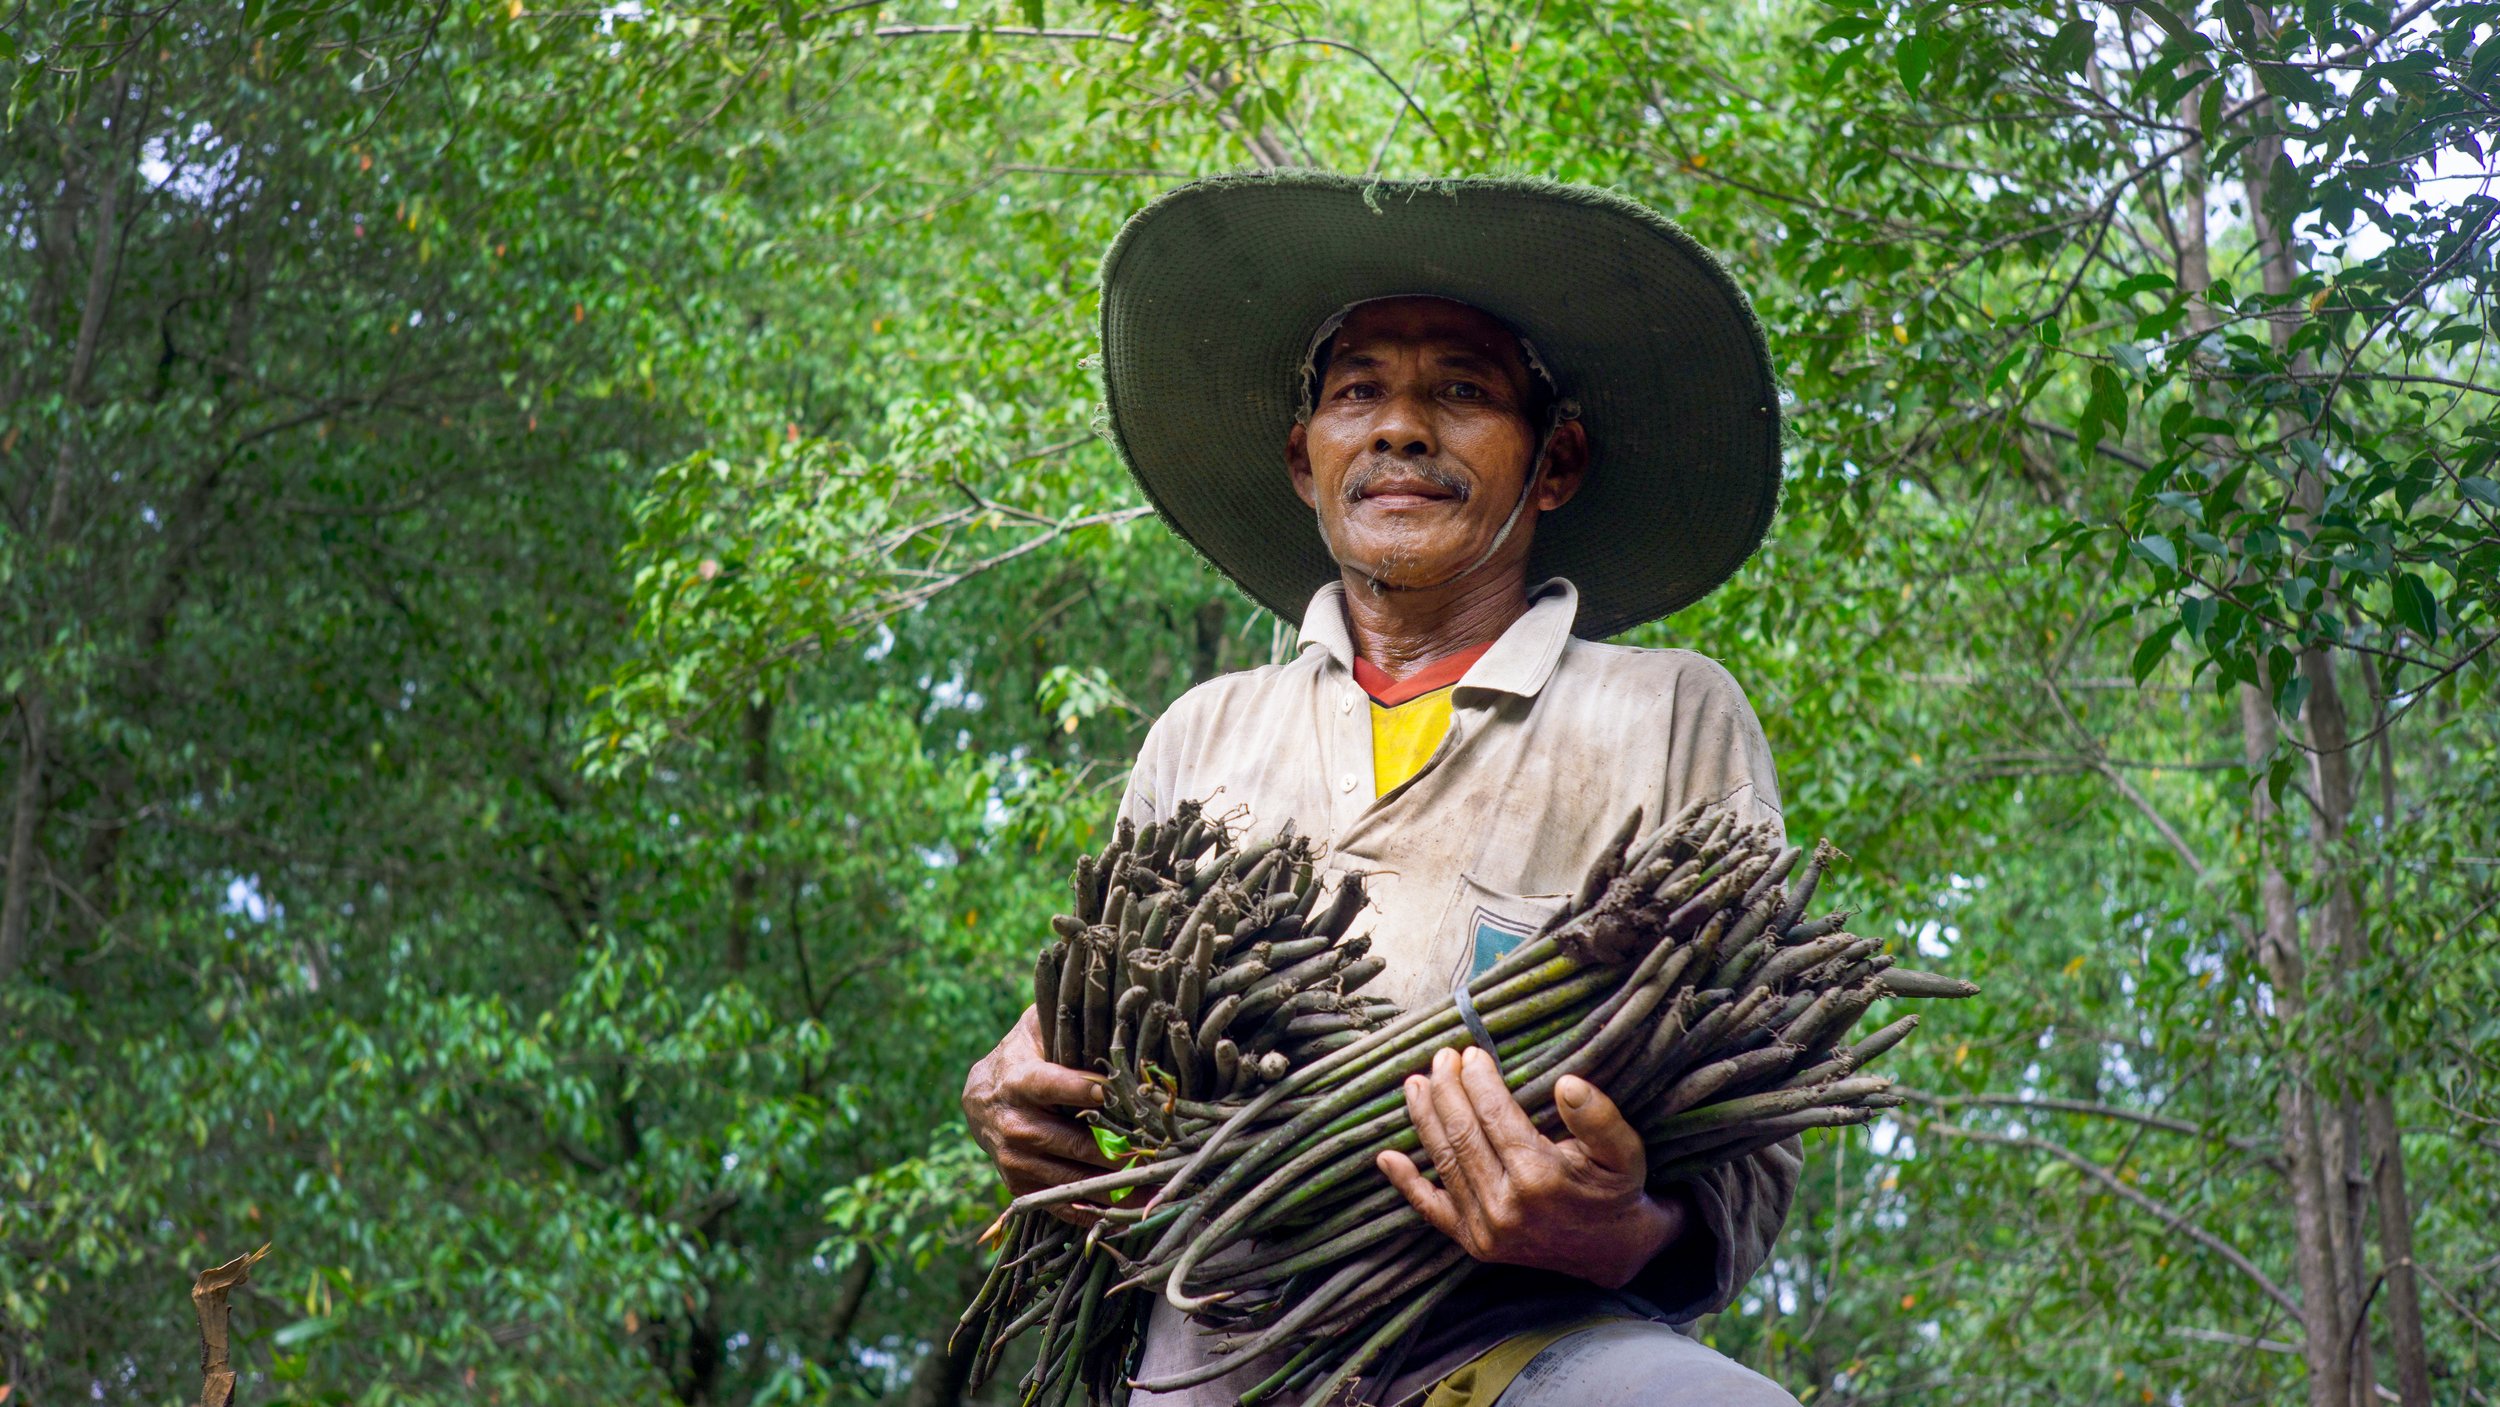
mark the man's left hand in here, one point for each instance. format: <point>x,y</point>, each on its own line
<point>1513,1196</point>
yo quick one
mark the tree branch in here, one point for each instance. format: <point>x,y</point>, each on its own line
<point>2169,1216</point>
<point>2252,1147</point>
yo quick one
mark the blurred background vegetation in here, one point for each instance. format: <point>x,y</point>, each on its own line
<point>565,611</point>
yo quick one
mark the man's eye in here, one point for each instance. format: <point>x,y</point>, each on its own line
<point>1357,391</point>
<point>1467,390</point>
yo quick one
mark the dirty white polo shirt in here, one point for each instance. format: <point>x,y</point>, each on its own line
<point>1553,742</point>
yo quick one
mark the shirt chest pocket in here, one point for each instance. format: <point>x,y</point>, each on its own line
<point>1491,920</point>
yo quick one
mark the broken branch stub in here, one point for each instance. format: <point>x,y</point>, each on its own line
<point>208,1297</point>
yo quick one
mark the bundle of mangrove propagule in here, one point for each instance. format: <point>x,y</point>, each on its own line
<point>1684,979</point>
<point>1195,972</point>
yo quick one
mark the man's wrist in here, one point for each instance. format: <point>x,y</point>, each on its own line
<point>1654,1225</point>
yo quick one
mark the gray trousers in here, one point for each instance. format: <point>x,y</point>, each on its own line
<point>1634,1364</point>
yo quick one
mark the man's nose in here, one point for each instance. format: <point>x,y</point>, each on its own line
<point>1403,428</point>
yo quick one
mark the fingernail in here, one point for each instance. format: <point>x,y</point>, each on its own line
<point>1573,1091</point>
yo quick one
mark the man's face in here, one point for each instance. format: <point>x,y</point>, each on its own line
<point>1420,441</point>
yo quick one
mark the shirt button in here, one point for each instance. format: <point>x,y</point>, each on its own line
<point>1346,704</point>
<point>1346,782</point>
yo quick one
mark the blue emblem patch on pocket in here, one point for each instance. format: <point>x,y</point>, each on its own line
<point>1495,937</point>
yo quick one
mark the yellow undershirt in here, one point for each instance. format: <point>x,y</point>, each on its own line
<point>1404,737</point>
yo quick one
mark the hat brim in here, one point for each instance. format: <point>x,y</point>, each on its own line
<point>1211,295</point>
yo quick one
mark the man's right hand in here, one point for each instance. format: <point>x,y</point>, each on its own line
<point>1018,1103</point>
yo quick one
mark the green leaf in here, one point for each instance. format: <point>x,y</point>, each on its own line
<point>2149,652</point>
<point>2294,84</point>
<point>1910,60</point>
<point>2153,325</point>
<point>2105,411</point>
<point>1033,13</point>
<point>1116,1147</point>
<point>2417,606</point>
<point>2238,22</point>
<point>2003,371</point>
<point>2486,63</point>
<point>303,1331</point>
<point>2070,50</point>
<point>2196,616</point>
<point>2169,19</point>
<point>2156,549</point>
<point>2188,81</point>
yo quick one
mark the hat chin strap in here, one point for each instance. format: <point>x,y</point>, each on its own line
<point>1536,475</point>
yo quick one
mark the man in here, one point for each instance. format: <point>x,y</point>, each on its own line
<point>1464,428</point>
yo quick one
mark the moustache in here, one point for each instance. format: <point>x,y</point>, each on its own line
<point>1374,470</point>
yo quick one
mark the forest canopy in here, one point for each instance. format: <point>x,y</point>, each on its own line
<point>566,609</point>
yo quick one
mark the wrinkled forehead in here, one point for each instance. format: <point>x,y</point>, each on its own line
<point>1437,323</point>
<point>1408,319</point>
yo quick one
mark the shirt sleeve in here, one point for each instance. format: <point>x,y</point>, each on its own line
<point>1151,781</point>
<point>1738,1209</point>
<point>1717,753</point>
<point>1715,749</point>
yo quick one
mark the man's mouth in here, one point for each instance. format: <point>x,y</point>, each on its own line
<point>1404,488</point>
<point>1410,493</point>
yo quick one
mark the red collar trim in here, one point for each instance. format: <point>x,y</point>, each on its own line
<point>1440,674</point>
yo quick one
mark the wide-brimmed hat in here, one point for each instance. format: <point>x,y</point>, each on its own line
<point>1212,294</point>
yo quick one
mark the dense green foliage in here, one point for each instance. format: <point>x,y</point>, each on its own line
<point>564,614</point>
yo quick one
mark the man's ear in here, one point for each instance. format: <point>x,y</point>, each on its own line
<point>1298,464</point>
<point>1566,466</point>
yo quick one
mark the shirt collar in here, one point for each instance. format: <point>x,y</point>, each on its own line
<point>1518,663</point>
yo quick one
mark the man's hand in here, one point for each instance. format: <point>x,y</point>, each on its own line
<point>1513,1196</point>
<point>1017,1100</point>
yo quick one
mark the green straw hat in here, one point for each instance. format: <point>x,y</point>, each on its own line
<point>1213,294</point>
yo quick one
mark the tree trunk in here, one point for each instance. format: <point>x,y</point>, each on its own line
<point>2403,1295</point>
<point>2340,944</point>
<point>2278,942</point>
<point>27,809</point>
<point>103,264</point>
<point>940,1378</point>
<point>2323,1321</point>
<point>2339,941</point>
<point>748,878</point>
<point>861,1274</point>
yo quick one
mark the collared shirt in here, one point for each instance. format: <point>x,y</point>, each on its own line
<point>1553,743</point>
